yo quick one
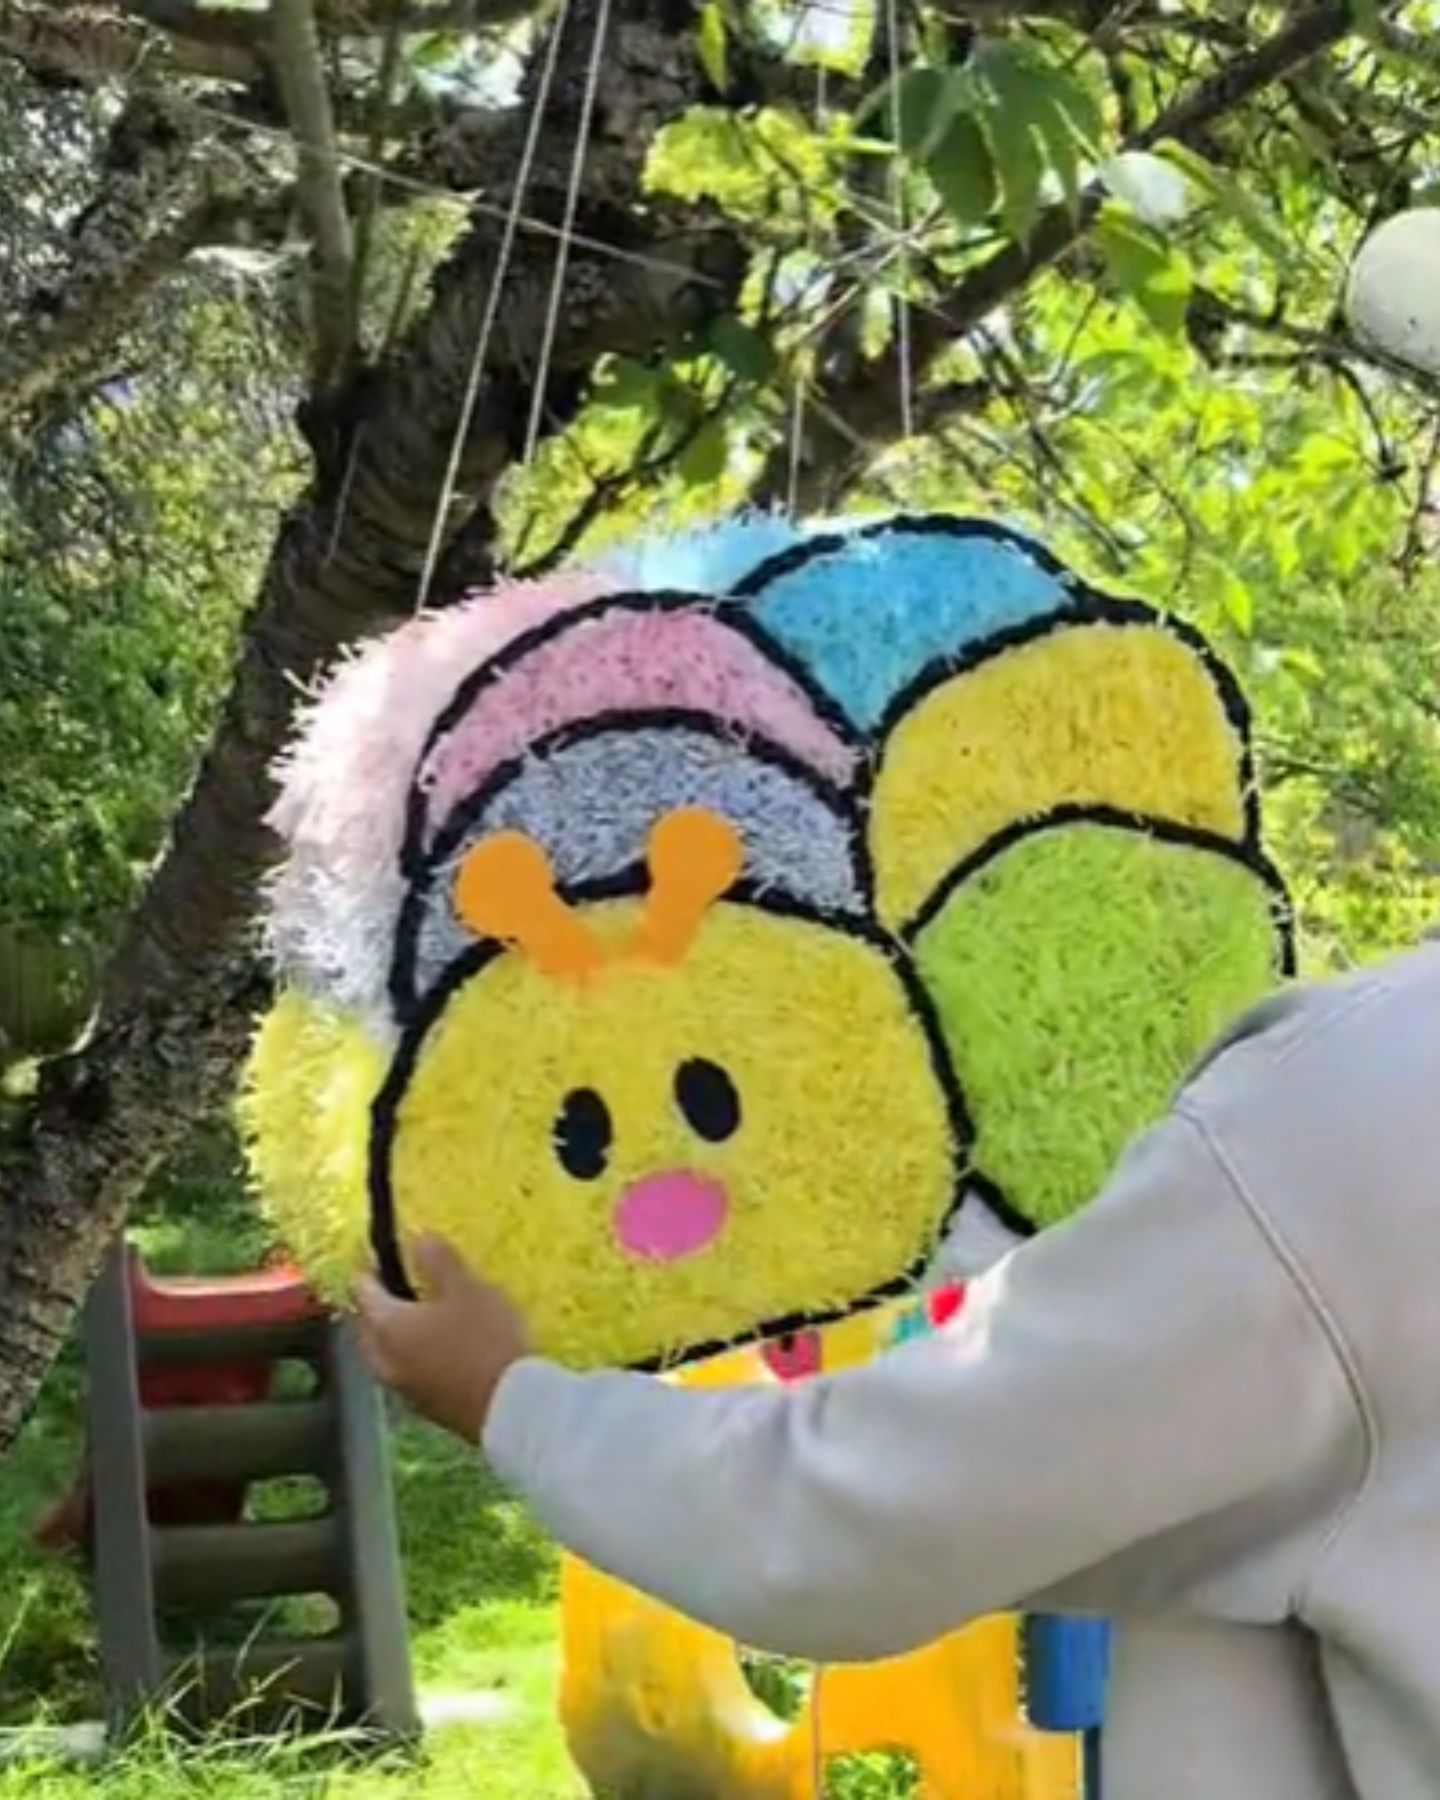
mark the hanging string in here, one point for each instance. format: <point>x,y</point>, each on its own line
<point>797,396</point>
<point>463,199</point>
<point>567,228</point>
<point>797,444</point>
<point>900,202</point>
<point>817,1734</point>
<point>488,321</point>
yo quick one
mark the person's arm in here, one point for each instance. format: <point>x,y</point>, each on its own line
<point>1150,1363</point>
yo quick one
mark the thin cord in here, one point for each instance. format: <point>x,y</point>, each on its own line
<point>898,195</point>
<point>797,439</point>
<point>471,200</point>
<point>347,482</point>
<point>817,1737</point>
<point>797,398</point>
<point>467,199</point>
<point>492,306</point>
<point>572,207</point>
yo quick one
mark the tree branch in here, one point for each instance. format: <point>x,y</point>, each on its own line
<point>1089,15</point>
<point>58,347</point>
<point>1333,347</point>
<point>233,29</point>
<point>1413,46</point>
<point>370,18</point>
<point>301,73</point>
<point>244,31</point>
<point>156,203</point>
<point>83,48</point>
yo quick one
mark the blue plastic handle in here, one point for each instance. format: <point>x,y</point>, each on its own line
<point>1066,1664</point>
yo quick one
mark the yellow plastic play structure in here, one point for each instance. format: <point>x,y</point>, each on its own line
<point>658,1708</point>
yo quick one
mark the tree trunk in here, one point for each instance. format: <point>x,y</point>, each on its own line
<point>181,993</point>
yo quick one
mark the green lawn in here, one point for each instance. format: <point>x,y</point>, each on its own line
<point>481,1582</point>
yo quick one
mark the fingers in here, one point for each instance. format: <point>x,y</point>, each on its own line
<point>373,1351</point>
<point>377,1314</point>
<point>438,1263</point>
<point>386,1328</point>
<point>375,1305</point>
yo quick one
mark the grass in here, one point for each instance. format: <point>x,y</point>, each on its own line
<point>481,1582</point>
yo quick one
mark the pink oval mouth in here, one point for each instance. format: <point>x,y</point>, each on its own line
<point>665,1217</point>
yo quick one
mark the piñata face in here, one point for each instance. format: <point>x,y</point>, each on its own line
<point>698,946</point>
<point>670,1131</point>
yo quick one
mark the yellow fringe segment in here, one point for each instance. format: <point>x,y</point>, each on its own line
<point>305,1110</point>
<point>1077,977</point>
<point>839,1176</point>
<point>1101,714</point>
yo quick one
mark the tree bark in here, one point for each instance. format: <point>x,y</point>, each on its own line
<point>83,47</point>
<point>181,993</point>
<point>153,206</point>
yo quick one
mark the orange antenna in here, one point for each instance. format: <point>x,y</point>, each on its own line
<point>694,856</point>
<point>505,889</point>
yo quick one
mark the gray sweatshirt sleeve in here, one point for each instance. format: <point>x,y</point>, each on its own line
<point>1139,1369</point>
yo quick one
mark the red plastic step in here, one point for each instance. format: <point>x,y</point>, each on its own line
<point>273,1296</point>
<point>179,1306</point>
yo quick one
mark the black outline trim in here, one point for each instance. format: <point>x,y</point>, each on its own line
<point>738,619</point>
<point>953,525</point>
<point>1088,610</point>
<point>384,1111</point>
<point>402,984</point>
<point>1158,830</point>
<point>1085,605</point>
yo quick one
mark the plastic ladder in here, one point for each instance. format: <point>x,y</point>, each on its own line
<point>184,1415</point>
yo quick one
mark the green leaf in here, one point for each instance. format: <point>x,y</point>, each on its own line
<point>1057,111</point>
<point>1039,120</point>
<point>1303,663</point>
<point>702,155</point>
<point>1062,151</point>
<point>1153,273</point>
<point>706,457</point>
<point>1019,166</point>
<point>1082,109</point>
<point>1233,200</point>
<point>433,50</point>
<point>745,352</point>
<point>914,112</point>
<point>750,165</point>
<point>1238,602</point>
<point>712,47</point>
<point>625,386</point>
<point>963,172</point>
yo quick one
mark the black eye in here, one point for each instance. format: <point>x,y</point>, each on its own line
<point>583,1134</point>
<point>706,1096</point>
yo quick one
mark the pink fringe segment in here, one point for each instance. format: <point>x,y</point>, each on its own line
<point>344,783</point>
<point>631,661</point>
